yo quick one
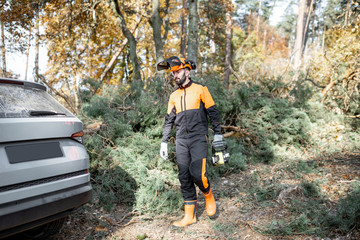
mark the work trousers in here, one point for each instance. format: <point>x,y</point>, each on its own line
<point>191,154</point>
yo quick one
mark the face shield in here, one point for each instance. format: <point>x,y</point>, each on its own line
<point>174,64</point>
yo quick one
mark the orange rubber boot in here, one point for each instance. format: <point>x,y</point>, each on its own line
<point>189,216</point>
<point>210,204</point>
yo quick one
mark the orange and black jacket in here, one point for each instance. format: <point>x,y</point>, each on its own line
<point>188,109</point>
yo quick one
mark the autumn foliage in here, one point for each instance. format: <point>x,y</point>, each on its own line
<point>101,64</point>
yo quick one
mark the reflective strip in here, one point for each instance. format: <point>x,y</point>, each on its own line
<point>193,202</point>
<point>203,177</point>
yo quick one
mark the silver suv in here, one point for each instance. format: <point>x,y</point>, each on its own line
<point>43,164</point>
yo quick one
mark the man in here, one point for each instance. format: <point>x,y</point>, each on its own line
<point>188,108</point>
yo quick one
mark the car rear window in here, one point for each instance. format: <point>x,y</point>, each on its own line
<point>18,101</point>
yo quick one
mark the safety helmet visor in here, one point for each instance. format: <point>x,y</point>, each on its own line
<point>173,64</point>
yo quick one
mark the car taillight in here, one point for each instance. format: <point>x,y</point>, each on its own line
<point>78,136</point>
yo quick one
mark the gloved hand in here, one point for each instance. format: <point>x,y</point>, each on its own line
<point>218,137</point>
<point>164,151</point>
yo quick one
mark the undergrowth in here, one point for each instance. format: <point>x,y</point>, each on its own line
<point>126,167</point>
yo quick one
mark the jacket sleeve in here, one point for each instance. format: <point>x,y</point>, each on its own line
<point>212,111</point>
<point>169,121</point>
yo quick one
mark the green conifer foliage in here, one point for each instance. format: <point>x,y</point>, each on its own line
<point>125,164</point>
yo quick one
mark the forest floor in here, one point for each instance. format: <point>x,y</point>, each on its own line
<point>241,215</point>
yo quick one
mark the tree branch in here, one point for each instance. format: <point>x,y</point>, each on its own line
<point>132,41</point>
<point>312,81</point>
<point>236,76</point>
<point>166,27</point>
<point>116,55</point>
<point>328,87</point>
<point>356,116</point>
<point>66,98</point>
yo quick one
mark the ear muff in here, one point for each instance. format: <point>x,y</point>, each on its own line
<point>191,64</point>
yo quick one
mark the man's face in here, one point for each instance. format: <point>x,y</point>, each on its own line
<point>180,76</point>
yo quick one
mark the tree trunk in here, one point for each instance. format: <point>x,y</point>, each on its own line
<point>183,30</point>
<point>313,21</point>
<point>66,98</point>
<point>3,50</point>
<point>167,21</point>
<point>155,23</point>
<point>75,88</point>
<point>132,41</point>
<point>193,41</point>
<point>37,46</point>
<point>117,53</point>
<point>228,47</point>
<point>305,9</point>
<point>323,40</point>
<point>27,55</point>
<point>299,34</point>
<point>308,13</point>
<point>258,20</point>
<point>123,73</point>
<point>347,12</point>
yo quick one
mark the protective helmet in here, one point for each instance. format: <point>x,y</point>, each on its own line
<point>175,63</point>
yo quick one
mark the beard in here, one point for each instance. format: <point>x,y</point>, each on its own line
<point>180,81</point>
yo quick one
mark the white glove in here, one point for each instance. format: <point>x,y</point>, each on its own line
<point>164,151</point>
<point>218,137</point>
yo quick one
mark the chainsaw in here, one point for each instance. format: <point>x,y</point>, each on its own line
<point>220,154</point>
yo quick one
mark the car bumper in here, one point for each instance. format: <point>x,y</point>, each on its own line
<point>42,209</point>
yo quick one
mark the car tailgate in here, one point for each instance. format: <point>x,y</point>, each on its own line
<point>22,129</point>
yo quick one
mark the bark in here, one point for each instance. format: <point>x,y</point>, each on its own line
<point>264,40</point>
<point>123,73</point>
<point>328,87</point>
<point>66,98</point>
<point>302,26</point>
<point>212,39</point>
<point>3,50</point>
<point>234,129</point>
<point>323,40</point>
<point>299,34</point>
<point>155,23</point>
<point>37,46</point>
<point>356,116</point>
<point>228,47</point>
<point>27,55</point>
<point>130,37</point>
<point>75,88</point>
<point>258,19</point>
<point>183,31</point>
<point>117,53</point>
<point>348,12</point>
<point>310,10</point>
<point>167,21</point>
<point>313,21</point>
<point>193,41</point>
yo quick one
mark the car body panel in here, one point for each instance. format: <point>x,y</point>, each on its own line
<point>22,129</point>
<point>74,159</point>
<point>44,209</point>
<point>48,192</point>
<point>43,167</point>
